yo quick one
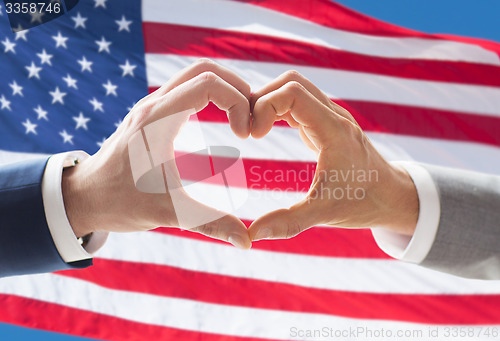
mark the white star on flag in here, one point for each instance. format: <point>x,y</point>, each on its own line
<point>81,121</point>
<point>21,34</point>
<point>30,127</point>
<point>96,104</point>
<point>110,88</point>
<point>45,57</point>
<point>8,46</point>
<point>60,40</point>
<point>85,64</point>
<point>123,24</point>
<point>100,3</point>
<point>70,82</point>
<point>79,20</point>
<point>103,45</point>
<point>16,89</point>
<point>67,138</point>
<point>128,69</point>
<point>392,86</point>
<point>57,96</point>
<point>37,17</point>
<point>5,103</point>
<point>41,113</point>
<point>100,143</point>
<point>33,70</point>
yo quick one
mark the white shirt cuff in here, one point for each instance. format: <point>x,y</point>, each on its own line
<point>414,249</point>
<point>68,246</point>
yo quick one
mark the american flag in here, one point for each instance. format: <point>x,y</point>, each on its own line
<point>430,98</point>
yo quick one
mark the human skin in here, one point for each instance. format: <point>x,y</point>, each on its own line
<point>390,199</point>
<point>100,193</point>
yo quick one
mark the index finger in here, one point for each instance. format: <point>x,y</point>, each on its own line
<point>200,66</point>
<point>294,76</point>
<point>198,92</point>
<point>305,109</point>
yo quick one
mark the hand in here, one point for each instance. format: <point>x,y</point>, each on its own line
<point>100,193</point>
<point>353,186</point>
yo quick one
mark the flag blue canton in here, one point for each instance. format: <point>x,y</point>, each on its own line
<point>67,84</point>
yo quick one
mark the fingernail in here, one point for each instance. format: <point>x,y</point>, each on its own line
<point>263,233</point>
<point>237,241</point>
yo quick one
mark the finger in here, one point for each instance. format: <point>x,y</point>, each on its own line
<point>229,229</point>
<point>294,76</point>
<point>291,76</point>
<point>200,66</point>
<point>307,141</point>
<point>177,208</point>
<point>290,120</point>
<point>284,223</point>
<point>197,92</point>
<point>343,112</point>
<point>316,118</point>
<point>195,216</point>
<point>195,69</point>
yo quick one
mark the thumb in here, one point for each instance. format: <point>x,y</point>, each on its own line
<point>227,228</point>
<point>283,223</point>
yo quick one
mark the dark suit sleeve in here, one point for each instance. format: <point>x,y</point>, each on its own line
<point>26,245</point>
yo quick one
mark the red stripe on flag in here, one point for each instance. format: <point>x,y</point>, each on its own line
<point>233,291</point>
<point>269,175</point>
<point>424,122</point>
<point>403,120</point>
<point>330,14</point>
<point>32,313</point>
<point>213,43</point>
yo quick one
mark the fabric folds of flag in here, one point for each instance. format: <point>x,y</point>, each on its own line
<point>429,98</point>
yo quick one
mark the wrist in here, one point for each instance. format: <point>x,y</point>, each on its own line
<point>399,205</point>
<point>75,201</point>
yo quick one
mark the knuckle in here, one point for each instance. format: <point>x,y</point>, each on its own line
<point>207,77</point>
<point>344,125</point>
<point>262,101</point>
<point>246,89</point>
<point>141,113</point>
<point>341,111</point>
<point>352,130</point>
<point>293,75</point>
<point>295,88</point>
<point>293,227</point>
<point>211,229</point>
<point>204,63</point>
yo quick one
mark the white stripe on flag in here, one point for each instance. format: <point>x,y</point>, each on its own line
<point>240,17</point>
<point>283,143</point>
<point>186,314</point>
<point>334,273</point>
<point>347,85</point>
